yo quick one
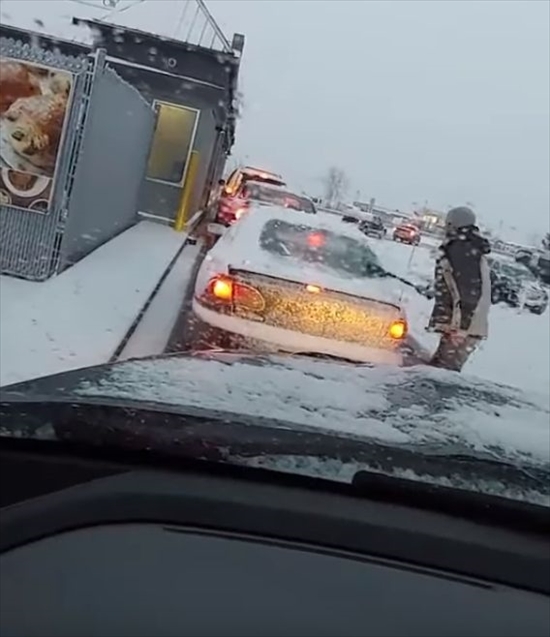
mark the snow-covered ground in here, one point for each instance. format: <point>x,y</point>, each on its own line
<point>517,351</point>
<point>79,318</point>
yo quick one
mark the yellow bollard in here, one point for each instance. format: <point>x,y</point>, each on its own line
<point>182,215</point>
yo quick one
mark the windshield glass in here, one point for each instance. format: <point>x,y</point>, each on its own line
<point>157,161</point>
<point>313,246</point>
<point>278,197</point>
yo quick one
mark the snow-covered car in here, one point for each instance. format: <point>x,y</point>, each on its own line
<point>246,174</point>
<point>252,194</point>
<point>407,233</point>
<point>301,283</point>
<point>512,283</point>
<point>230,202</point>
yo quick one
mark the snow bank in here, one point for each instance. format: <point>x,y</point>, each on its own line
<point>78,318</point>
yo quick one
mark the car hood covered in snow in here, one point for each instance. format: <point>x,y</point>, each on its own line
<point>418,408</point>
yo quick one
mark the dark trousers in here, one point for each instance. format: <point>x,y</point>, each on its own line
<point>454,350</point>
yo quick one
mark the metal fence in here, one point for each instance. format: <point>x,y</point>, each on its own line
<point>29,241</point>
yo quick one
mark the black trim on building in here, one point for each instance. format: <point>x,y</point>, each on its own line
<point>166,55</point>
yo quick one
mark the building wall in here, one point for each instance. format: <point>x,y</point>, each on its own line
<point>110,166</point>
<point>161,199</point>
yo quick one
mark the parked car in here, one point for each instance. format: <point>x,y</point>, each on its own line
<point>514,284</point>
<point>245,174</point>
<point>407,233</point>
<point>291,282</point>
<point>372,226</point>
<point>253,194</point>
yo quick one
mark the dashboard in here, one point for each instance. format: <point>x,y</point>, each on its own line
<point>157,552</point>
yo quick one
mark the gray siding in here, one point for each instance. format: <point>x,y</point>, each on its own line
<point>110,166</point>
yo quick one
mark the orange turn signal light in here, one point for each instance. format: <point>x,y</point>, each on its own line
<point>398,329</point>
<point>222,289</point>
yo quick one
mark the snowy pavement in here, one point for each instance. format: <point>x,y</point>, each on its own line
<point>155,328</point>
<point>79,318</point>
<point>517,352</point>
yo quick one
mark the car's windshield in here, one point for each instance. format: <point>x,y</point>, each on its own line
<point>246,213</point>
<point>313,245</point>
<point>278,197</point>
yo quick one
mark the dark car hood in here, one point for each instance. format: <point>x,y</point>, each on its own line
<point>417,407</point>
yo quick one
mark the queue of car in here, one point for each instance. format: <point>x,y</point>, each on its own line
<point>282,278</point>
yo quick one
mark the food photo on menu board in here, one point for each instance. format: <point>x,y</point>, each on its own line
<point>34,108</point>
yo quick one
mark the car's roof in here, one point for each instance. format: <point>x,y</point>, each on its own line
<point>260,172</point>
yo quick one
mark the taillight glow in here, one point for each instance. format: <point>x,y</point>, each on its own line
<point>225,289</point>
<point>222,288</point>
<point>398,329</point>
<point>316,239</point>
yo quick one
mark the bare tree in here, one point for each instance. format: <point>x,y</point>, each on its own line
<point>335,185</point>
<point>546,241</point>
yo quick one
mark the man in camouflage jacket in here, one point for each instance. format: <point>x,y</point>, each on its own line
<point>462,288</point>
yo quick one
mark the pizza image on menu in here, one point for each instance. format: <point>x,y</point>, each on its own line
<point>34,104</point>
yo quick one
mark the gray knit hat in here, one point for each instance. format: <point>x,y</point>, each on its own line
<point>460,217</point>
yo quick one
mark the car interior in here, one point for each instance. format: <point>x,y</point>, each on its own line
<point>104,542</point>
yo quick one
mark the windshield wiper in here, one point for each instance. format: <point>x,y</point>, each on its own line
<point>544,482</point>
<point>328,357</point>
<point>458,502</point>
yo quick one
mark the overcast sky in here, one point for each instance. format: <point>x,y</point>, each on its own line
<point>438,101</point>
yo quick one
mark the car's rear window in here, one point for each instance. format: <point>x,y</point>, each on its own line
<point>343,254</point>
<point>278,197</point>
